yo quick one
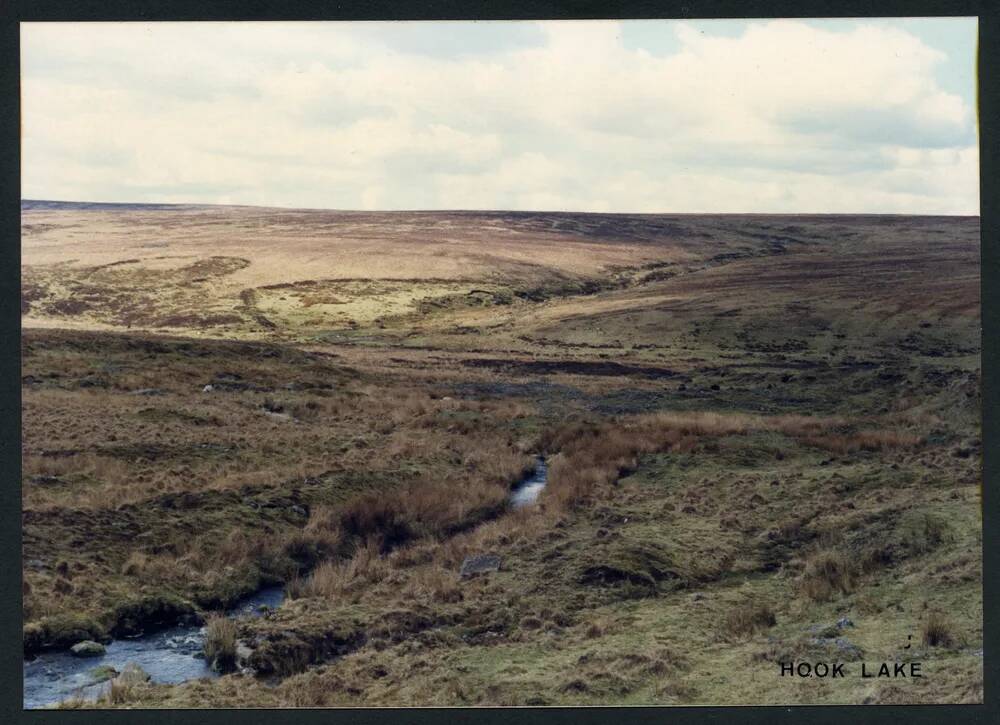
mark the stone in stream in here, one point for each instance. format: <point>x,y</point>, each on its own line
<point>87,648</point>
<point>132,674</point>
<point>103,673</point>
<point>479,564</point>
<point>243,654</point>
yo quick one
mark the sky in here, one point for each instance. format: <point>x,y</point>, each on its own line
<point>766,116</point>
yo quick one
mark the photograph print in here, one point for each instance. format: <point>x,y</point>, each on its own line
<point>500,363</point>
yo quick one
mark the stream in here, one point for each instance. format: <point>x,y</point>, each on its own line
<point>169,656</point>
<point>173,655</point>
<point>526,492</point>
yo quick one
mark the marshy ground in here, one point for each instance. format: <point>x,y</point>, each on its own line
<point>755,427</point>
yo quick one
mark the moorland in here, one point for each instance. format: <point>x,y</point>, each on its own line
<point>762,436</point>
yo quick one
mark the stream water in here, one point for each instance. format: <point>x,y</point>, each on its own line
<point>173,655</point>
<point>526,492</point>
<point>169,656</point>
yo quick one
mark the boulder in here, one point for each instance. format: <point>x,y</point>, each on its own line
<point>831,631</point>
<point>132,674</point>
<point>479,564</point>
<point>276,416</point>
<point>243,654</point>
<point>848,649</point>
<point>103,673</point>
<point>87,648</point>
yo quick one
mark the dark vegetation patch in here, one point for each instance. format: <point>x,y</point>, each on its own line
<point>148,614</point>
<point>643,566</point>
<point>68,307</point>
<point>749,618</point>
<point>570,367</point>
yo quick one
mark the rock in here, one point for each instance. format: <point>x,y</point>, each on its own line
<point>93,381</point>
<point>300,510</point>
<point>208,389</point>
<point>243,654</point>
<point>848,648</point>
<point>831,631</point>
<point>132,674</point>
<point>479,564</point>
<point>103,673</point>
<point>87,648</point>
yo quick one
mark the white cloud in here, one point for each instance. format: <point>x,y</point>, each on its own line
<point>785,117</point>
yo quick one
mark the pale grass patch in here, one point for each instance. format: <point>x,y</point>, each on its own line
<point>828,573</point>
<point>337,579</point>
<point>592,457</point>
<point>434,583</point>
<point>220,641</point>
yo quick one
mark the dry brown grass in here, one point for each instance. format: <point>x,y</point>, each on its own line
<point>937,630</point>
<point>435,508</point>
<point>239,546</point>
<point>421,567</point>
<point>119,692</point>
<point>747,618</point>
<point>433,583</point>
<point>828,572</point>
<point>518,527</point>
<point>341,578</point>
<point>869,440</point>
<point>591,457</point>
<point>104,469</point>
<point>220,642</point>
<point>435,466</point>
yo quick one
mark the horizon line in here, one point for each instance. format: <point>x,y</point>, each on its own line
<point>477,211</point>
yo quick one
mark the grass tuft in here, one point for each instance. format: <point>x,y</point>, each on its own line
<point>220,643</point>
<point>937,630</point>
<point>828,573</point>
<point>748,618</point>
